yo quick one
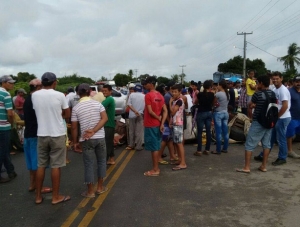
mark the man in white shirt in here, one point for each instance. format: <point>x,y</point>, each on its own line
<point>284,117</point>
<point>50,107</point>
<point>136,103</point>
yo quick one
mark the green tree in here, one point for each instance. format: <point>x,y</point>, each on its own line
<point>176,78</point>
<point>162,80</point>
<point>235,65</point>
<point>25,77</point>
<point>121,79</point>
<point>75,79</point>
<point>103,78</point>
<point>130,74</point>
<point>290,60</point>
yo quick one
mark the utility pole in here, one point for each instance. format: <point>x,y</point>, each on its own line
<point>136,70</point>
<point>182,66</point>
<point>245,46</point>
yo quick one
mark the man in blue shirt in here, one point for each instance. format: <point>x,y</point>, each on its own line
<point>294,126</point>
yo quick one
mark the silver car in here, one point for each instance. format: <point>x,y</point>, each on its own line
<point>120,99</point>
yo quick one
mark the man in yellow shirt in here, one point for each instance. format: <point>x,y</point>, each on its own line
<point>251,87</point>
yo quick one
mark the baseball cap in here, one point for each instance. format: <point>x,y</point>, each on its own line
<point>297,78</point>
<point>183,91</point>
<point>8,79</point>
<point>138,88</point>
<point>83,88</point>
<point>35,82</point>
<point>48,77</point>
<point>22,90</point>
<point>150,80</point>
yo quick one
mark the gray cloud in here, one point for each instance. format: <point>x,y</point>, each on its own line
<point>100,38</point>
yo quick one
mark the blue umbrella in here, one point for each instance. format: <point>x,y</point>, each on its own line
<point>233,79</point>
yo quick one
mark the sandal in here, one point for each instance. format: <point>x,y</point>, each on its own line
<point>102,191</point>
<point>163,162</point>
<point>151,174</point>
<point>129,148</point>
<point>198,153</point>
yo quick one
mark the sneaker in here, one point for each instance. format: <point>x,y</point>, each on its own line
<point>278,162</point>
<point>12,175</point>
<point>258,158</point>
<point>293,154</point>
<point>4,180</point>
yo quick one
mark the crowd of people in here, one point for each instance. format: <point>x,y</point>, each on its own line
<point>157,117</point>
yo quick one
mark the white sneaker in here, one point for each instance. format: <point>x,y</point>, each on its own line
<point>293,154</point>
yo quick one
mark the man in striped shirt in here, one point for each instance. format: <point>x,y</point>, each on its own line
<point>91,116</point>
<point>6,119</point>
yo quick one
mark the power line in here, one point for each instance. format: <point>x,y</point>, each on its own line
<point>259,41</point>
<point>275,15</point>
<point>278,27</point>
<point>262,50</point>
<point>281,37</point>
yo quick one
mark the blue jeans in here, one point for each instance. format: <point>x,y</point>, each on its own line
<point>204,118</point>
<point>89,149</point>
<point>279,135</point>
<point>221,128</point>
<point>4,152</point>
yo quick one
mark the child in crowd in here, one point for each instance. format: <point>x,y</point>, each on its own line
<point>176,110</point>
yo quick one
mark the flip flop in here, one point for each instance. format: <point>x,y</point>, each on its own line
<point>111,163</point>
<point>198,153</point>
<point>102,191</point>
<point>163,162</point>
<point>151,174</point>
<point>85,194</point>
<point>37,203</point>
<point>129,148</point>
<point>262,170</point>
<point>242,171</point>
<point>176,168</point>
<point>174,162</point>
<point>65,199</point>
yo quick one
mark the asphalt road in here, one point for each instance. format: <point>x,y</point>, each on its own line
<point>208,193</point>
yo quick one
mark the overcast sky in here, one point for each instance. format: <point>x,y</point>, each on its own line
<point>97,38</point>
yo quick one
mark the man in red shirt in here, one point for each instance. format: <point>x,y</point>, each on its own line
<point>155,115</point>
<point>19,102</point>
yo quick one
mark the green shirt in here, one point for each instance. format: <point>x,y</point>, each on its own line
<point>110,107</point>
<point>5,104</point>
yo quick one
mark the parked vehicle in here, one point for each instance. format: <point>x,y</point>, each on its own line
<point>120,99</point>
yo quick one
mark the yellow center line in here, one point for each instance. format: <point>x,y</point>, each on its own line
<point>89,216</point>
<point>85,201</point>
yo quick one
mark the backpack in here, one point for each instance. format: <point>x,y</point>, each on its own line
<point>269,113</point>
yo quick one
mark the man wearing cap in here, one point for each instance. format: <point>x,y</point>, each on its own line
<point>91,116</point>
<point>30,136</point>
<point>155,115</point>
<point>6,120</point>
<point>19,102</point>
<point>294,125</point>
<point>50,108</point>
<point>136,103</point>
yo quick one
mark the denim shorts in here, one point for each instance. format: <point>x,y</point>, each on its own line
<point>152,138</point>
<point>256,134</point>
<point>177,133</point>
<point>167,133</point>
<point>30,150</point>
<point>293,128</point>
